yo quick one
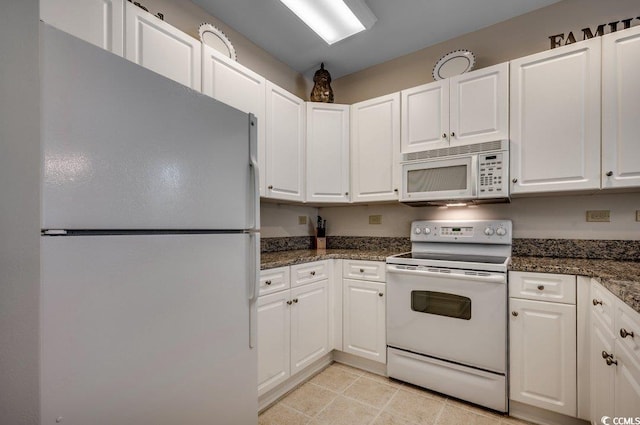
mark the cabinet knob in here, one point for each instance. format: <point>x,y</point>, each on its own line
<point>313,273</point>
<point>268,282</point>
<point>444,135</point>
<point>609,173</point>
<point>395,190</point>
<point>610,361</point>
<point>514,313</point>
<point>295,301</point>
<point>515,180</point>
<point>596,302</point>
<point>625,333</point>
<point>361,270</point>
<point>346,194</point>
<point>453,134</point>
<point>380,294</point>
<point>605,355</point>
<point>541,287</point>
<point>289,302</point>
<point>270,187</point>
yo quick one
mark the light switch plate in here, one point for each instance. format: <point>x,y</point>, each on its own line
<point>598,215</point>
<point>302,219</point>
<point>375,219</point>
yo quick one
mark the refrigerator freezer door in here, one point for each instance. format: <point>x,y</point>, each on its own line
<point>148,330</point>
<point>125,148</point>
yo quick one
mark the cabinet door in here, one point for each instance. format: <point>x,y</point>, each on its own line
<point>284,168</point>
<point>364,319</point>
<point>555,119</point>
<point>100,22</point>
<point>602,375</point>
<point>425,117</point>
<point>309,324</point>
<point>327,152</point>
<point>627,383</point>
<point>231,83</point>
<point>620,106</point>
<point>274,339</point>
<point>479,110</point>
<point>164,49</point>
<point>375,149</point>
<point>543,355</point>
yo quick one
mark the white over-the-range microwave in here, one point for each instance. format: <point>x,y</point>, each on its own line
<point>458,175</point>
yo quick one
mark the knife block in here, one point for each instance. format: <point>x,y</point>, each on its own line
<point>321,243</point>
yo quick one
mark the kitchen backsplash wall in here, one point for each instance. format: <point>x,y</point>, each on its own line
<point>552,217</point>
<point>281,220</point>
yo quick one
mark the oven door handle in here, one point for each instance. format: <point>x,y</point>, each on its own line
<point>460,275</point>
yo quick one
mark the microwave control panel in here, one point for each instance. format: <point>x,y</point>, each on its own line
<point>493,178</point>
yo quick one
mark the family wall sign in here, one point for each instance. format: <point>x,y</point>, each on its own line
<point>563,39</point>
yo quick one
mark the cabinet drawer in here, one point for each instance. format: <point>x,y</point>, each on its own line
<point>302,274</point>
<point>274,280</point>
<point>365,270</point>
<point>602,305</point>
<point>558,288</point>
<point>628,329</point>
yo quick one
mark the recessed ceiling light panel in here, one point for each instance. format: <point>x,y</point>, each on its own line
<point>332,20</point>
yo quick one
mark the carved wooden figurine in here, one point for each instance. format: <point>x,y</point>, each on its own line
<point>322,91</point>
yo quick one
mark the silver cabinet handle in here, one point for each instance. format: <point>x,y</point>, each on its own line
<point>609,173</point>
<point>380,294</point>
<point>596,302</point>
<point>541,287</point>
<point>514,313</point>
<point>625,333</point>
<point>268,282</point>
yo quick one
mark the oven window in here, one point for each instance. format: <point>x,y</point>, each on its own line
<point>437,179</point>
<point>442,304</point>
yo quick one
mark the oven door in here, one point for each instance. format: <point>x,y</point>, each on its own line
<point>454,315</point>
<point>442,179</point>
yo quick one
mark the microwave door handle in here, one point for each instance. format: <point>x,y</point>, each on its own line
<point>475,178</point>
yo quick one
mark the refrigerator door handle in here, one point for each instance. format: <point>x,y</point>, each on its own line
<point>255,171</point>
<point>253,286</point>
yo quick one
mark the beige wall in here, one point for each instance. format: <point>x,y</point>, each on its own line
<point>281,220</point>
<point>498,43</point>
<point>187,16</point>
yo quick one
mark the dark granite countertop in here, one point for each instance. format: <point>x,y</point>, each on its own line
<point>622,278</point>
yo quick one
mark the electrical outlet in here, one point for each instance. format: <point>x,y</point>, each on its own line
<point>637,215</point>
<point>375,219</point>
<point>598,215</point>
<point>302,219</point>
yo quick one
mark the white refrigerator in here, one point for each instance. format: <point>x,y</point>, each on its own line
<point>149,246</point>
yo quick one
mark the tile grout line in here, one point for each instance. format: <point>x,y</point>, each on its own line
<point>385,405</point>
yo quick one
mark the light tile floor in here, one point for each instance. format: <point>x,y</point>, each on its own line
<point>343,395</point>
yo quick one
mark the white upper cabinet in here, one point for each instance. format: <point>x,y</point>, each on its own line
<point>375,149</point>
<point>620,109</point>
<point>283,170</point>
<point>327,152</point>
<point>100,22</point>
<point>425,117</point>
<point>162,48</point>
<point>227,81</point>
<point>555,119</point>
<point>465,109</point>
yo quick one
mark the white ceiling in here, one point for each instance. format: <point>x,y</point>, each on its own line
<point>403,26</point>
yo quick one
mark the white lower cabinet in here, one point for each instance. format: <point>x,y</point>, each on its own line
<point>293,325</point>
<point>542,335</point>
<point>615,357</point>
<point>364,316</point>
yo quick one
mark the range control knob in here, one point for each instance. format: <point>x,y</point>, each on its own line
<point>418,231</point>
<point>488,231</point>
<point>427,231</point>
<point>501,231</point>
